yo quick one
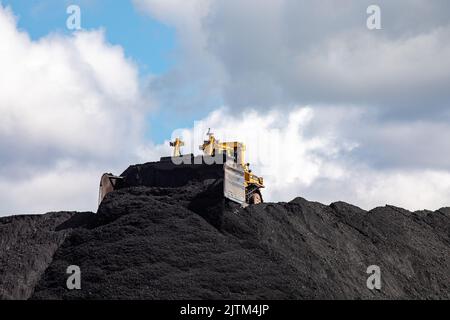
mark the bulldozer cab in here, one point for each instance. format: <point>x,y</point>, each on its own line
<point>234,150</point>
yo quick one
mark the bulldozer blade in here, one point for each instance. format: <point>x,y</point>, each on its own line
<point>234,187</point>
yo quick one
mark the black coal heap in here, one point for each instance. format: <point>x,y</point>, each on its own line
<point>169,234</point>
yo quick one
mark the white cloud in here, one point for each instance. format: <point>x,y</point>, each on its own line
<point>70,108</point>
<point>70,187</point>
<point>307,52</point>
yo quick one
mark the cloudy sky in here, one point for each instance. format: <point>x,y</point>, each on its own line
<point>329,109</point>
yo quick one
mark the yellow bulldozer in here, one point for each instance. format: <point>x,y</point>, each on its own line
<point>225,160</point>
<point>235,151</point>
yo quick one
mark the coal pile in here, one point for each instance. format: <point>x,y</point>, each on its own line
<point>27,246</point>
<point>169,234</point>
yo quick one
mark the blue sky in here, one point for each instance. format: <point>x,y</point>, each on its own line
<point>148,42</point>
